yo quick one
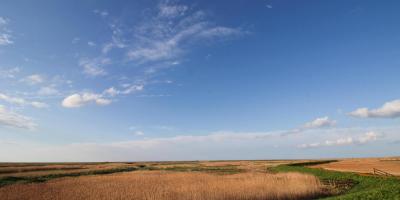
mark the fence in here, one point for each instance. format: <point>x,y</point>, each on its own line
<point>379,172</point>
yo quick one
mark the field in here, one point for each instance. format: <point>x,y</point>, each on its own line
<point>198,180</point>
<point>364,165</point>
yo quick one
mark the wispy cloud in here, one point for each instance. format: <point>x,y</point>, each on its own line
<point>365,138</point>
<point>170,10</point>
<point>166,33</point>
<point>169,33</point>
<point>11,119</point>
<point>13,100</point>
<point>102,13</point>
<point>5,33</point>
<point>128,89</point>
<point>48,90</point>
<point>92,44</point>
<point>117,39</point>
<point>9,73</point>
<point>94,67</point>
<point>390,109</point>
<point>318,123</point>
<point>160,40</point>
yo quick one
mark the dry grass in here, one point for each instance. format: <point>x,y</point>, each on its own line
<point>158,185</point>
<point>364,165</point>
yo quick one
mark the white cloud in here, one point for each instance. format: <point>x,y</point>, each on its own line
<point>34,79</point>
<point>320,123</point>
<point>390,109</point>
<point>79,100</point>
<point>11,119</point>
<point>21,101</point>
<point>94,67</point>
<point>365,138</point>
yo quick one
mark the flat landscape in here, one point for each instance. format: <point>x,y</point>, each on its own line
<point>199,100</point>
<point>201,180</point>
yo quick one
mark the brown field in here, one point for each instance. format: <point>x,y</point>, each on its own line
<point>162,185</point>
<point>365,165</point>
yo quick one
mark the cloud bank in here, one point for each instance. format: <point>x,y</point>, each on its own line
<point>367,137</point>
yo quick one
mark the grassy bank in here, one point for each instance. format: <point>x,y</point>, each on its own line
<point>207,169</point>
<point>351,185</point>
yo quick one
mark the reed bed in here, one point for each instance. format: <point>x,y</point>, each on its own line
<point>161,185</point>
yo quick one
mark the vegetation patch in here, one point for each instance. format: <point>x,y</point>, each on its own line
<point>311,163</point>
<point>16,170</point>
<point>209,169</point>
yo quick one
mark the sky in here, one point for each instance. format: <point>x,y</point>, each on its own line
<point>198,80</point>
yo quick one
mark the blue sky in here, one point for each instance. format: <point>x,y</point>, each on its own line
<point>188,80</point>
